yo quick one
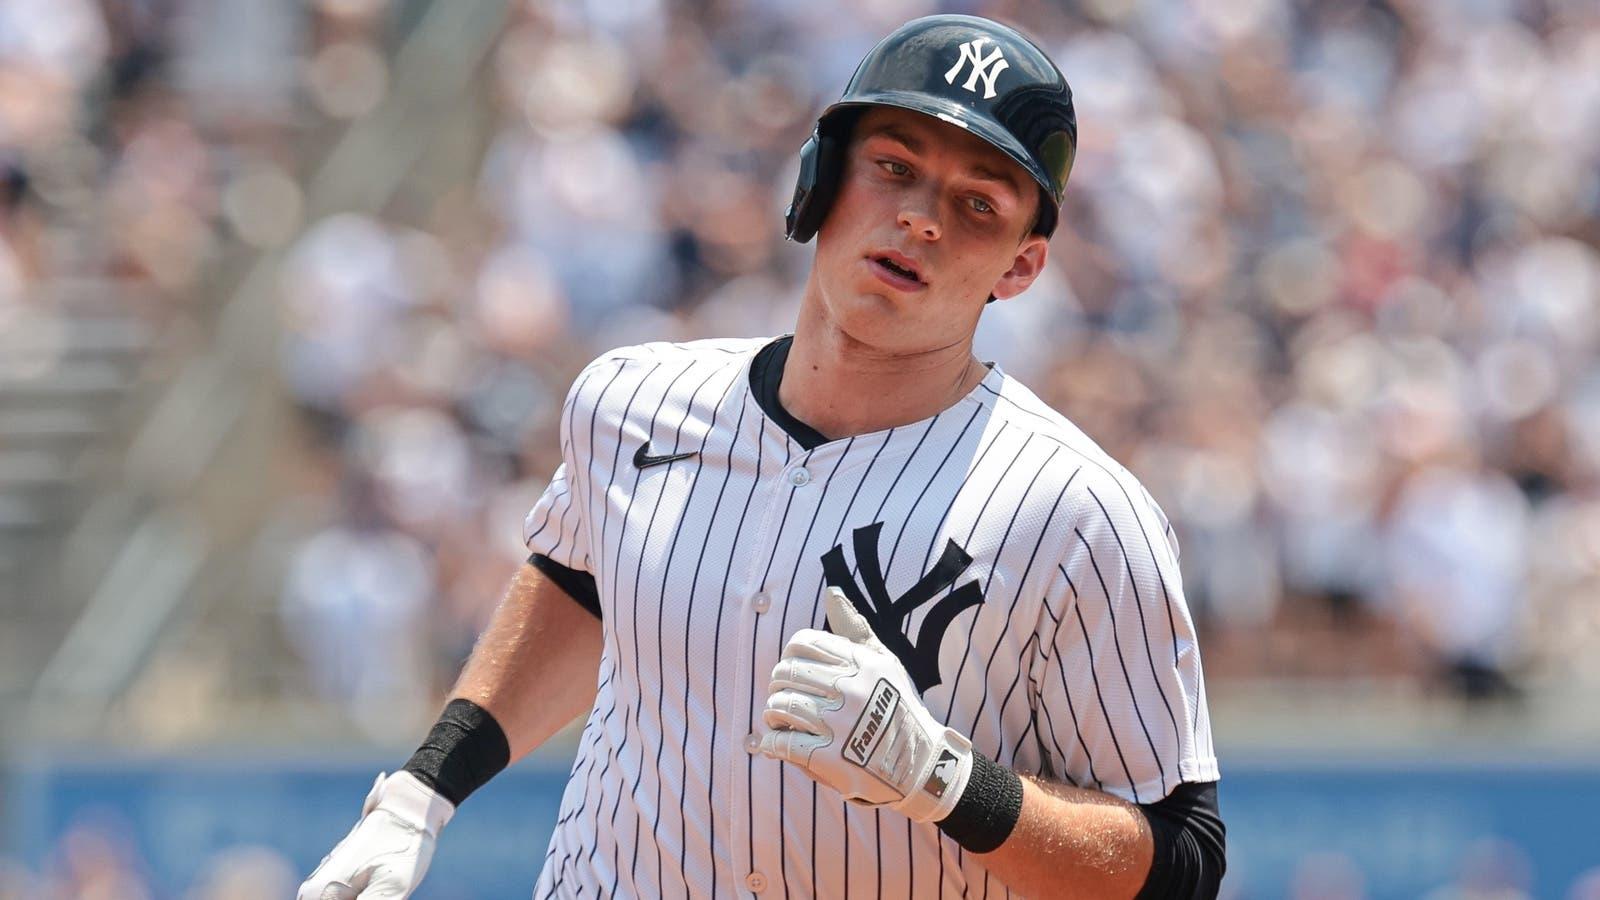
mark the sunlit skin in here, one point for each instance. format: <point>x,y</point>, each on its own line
<point>872,350</point>
<point>869,354</point>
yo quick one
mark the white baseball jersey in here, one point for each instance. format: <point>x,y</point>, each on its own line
<point>1027,581</point>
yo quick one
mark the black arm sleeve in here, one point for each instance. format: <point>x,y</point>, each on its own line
<point>1190,844</point>
<point>578,584</point>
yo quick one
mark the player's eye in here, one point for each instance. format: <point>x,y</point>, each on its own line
<point>981,205</point>
<point>894,168</point>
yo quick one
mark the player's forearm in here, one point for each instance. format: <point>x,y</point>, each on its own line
<point>534,667</point>
<point>1071,842</point>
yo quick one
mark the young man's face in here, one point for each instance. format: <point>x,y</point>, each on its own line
<point>928,222</point>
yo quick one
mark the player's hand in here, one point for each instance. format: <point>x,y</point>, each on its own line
<point>842,707</point>
<point>385,856</point>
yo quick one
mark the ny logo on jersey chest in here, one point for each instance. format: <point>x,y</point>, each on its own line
<point>887,616</point>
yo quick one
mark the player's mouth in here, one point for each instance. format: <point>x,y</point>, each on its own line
<point>896,269</point>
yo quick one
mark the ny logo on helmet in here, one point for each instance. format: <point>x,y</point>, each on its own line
<point>987,67</point>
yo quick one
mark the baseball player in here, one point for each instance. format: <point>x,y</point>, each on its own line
<point>851,613</point>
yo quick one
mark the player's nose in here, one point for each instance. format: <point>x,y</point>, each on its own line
<point>919,217</point>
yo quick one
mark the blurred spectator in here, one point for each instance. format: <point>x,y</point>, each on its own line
<point>1587,887</point>
<point>344,293</point>
<point>96,861</point>
<point>355,599</point>
<point>1492,870</point>
<point>1457,558</point>
<point>246,873</point>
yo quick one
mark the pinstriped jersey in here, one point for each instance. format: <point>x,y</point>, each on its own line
<point>1028,582</point>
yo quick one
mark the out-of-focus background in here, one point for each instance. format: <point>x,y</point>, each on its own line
<point>290,295</point>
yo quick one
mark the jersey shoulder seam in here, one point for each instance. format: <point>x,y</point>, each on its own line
<point>1096,467</point>
<point>1049,423</point>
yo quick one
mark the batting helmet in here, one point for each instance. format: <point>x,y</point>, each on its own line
<point>970,72</point>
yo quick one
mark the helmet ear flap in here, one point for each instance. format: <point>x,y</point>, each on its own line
<point>821,164</point>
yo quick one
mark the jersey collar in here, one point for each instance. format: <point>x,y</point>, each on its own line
<point>766,373</point>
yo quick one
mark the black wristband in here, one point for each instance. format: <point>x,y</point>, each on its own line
<point>464,750</point>
<point>988,809</point>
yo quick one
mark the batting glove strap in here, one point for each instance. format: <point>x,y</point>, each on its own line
<point>933,788</point>
<point>989,807</point>
<point>414,803</point>
<point>925,765</point>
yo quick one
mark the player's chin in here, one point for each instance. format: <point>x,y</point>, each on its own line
<point>883,323</point>
<point>876,316</point>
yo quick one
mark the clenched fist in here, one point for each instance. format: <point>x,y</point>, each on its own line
<point>843,709</point>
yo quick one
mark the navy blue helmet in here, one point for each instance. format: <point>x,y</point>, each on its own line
<point>973,73</point>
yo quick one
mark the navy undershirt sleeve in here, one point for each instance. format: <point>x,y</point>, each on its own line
<point>578,584</point>
<point>1190,844</point>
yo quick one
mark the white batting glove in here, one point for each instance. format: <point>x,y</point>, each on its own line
<point>842,707</point>
<point>385,856</point>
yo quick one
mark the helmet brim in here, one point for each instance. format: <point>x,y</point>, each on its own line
<point>962,117</point>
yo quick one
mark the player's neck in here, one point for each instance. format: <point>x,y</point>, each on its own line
<point>842,387</point>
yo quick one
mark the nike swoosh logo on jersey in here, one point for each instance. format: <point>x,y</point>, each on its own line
<point>643,460</point>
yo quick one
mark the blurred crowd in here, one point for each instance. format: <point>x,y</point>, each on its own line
<point>1328,283</point>
<point>123,158</point>
<point>100,861</point>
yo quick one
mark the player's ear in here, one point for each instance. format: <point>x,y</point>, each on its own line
<point>1027,265</point>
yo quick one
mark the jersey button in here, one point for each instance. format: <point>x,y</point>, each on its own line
<point>799,477</point>
<point>756,882</point>
<point>761,602</point>
<point>752,743</point>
